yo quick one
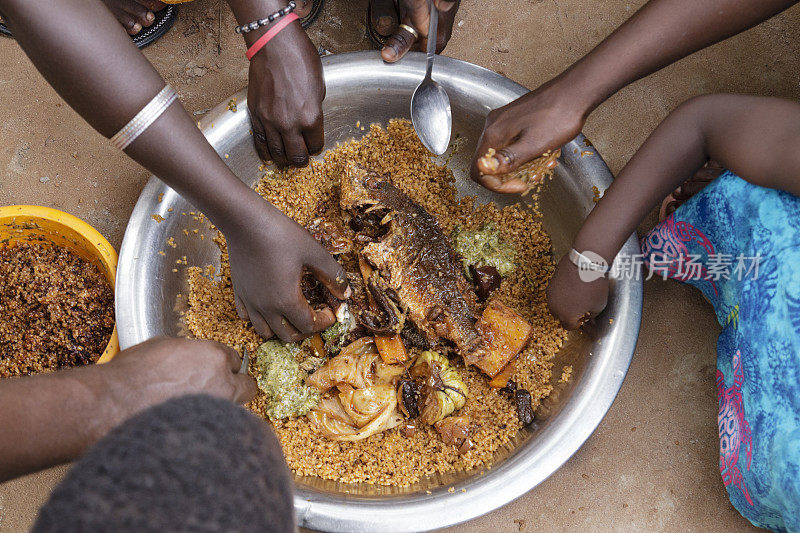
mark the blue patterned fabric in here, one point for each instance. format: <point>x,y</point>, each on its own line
<point>740,245</point>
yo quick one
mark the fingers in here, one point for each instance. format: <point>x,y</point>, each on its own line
<point>259,137</point>
<point>493,183</point>
<point>482,170</point>
<point>507,159</point>
<point>296,151</point>
<point>307,321</point>
<point>285,330</point>
<point>315,138</point>
<point>268,142</point>
<point>245,388</point>
<point>244,385</point>
<point>398,45</point>
<point>489,169</point>
<point>241,310</point>
<point>234,358</point>
<point>331,274</point>
<point>444,5</point>
<point>275,149</point>
<point>259,323</point>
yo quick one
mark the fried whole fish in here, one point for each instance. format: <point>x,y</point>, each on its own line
<point>414,258</point>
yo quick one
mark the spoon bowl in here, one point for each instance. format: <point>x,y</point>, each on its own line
<point>431,116</point>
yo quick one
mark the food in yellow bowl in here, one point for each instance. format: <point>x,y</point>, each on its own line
<point>56,292</point>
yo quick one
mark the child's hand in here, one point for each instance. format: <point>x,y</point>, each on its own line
<point>267,261</point>
<point>521,131</point>
<point>572,300</point>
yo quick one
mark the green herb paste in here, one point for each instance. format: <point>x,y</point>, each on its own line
<point>280,378</point>
<point>484,247</point>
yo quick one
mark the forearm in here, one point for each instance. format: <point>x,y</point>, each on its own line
<point>107,81</point>
<point>50,419</point>
<point>661,32</point>
<point>757,138</point>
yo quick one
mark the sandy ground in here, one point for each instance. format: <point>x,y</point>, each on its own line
<point>652,463</point>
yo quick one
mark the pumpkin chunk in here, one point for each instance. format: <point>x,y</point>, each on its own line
<point>391,349</point>
<point>506,334</point>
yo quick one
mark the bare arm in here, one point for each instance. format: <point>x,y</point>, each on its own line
<point>660,33</point>
<point>107,81</point>
<point>53,418</point>
<point>757,138</point>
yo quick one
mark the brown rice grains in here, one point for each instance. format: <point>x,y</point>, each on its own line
<point>57,309</point>
<point>390,458</point>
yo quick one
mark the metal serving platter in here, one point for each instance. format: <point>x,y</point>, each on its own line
<point>363,89</point>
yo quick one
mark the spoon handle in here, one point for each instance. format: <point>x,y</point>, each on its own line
<point>433,27</point>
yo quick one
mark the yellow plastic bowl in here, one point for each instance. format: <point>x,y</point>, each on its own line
<point>31,223</point>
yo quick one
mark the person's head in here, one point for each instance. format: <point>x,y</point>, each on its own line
<point>191,464</point>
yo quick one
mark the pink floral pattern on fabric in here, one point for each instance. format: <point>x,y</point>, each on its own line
<point>734,430</point>
<point>666,251</point>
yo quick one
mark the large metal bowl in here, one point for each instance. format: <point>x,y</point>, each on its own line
<point>361,88</point>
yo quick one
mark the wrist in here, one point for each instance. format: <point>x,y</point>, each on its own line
<point>596,251</point>
<point>248,216</point>
<point>95,391</point>
<point>266,9</point>
<point>585,89</point>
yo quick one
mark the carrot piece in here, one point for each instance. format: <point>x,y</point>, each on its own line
<point>392,350</point>
<point>500,380</point>
<point>318,346</point>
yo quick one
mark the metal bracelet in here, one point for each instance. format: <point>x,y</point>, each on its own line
<point>144,118</point>
<point>244,28</point>
<point>584,263</point>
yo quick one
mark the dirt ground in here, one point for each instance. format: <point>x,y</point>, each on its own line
<point>652,463</point>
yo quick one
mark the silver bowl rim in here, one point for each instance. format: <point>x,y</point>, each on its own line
<point>530,464</point>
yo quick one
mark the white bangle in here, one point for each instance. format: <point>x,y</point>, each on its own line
<point>584,263</point>
<point>144,118</point>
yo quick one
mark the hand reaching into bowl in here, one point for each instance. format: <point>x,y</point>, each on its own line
<point>53,418</point>
<point>661,32</point>
<point>573,301</point>
<point>285,90</point>
<point>268,256</point>
<point>268,251</point>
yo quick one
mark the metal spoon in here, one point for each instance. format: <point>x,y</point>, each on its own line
<point>430,106</point>
<point>245,362</point>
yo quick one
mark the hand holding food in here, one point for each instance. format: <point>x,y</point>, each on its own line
<point>267,264</point>
<point>518,133</point>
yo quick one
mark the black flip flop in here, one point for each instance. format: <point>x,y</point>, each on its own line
<point>316,9</point>
<point>163,22</point>
<point>377,40</point>
<point>165,18</point>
